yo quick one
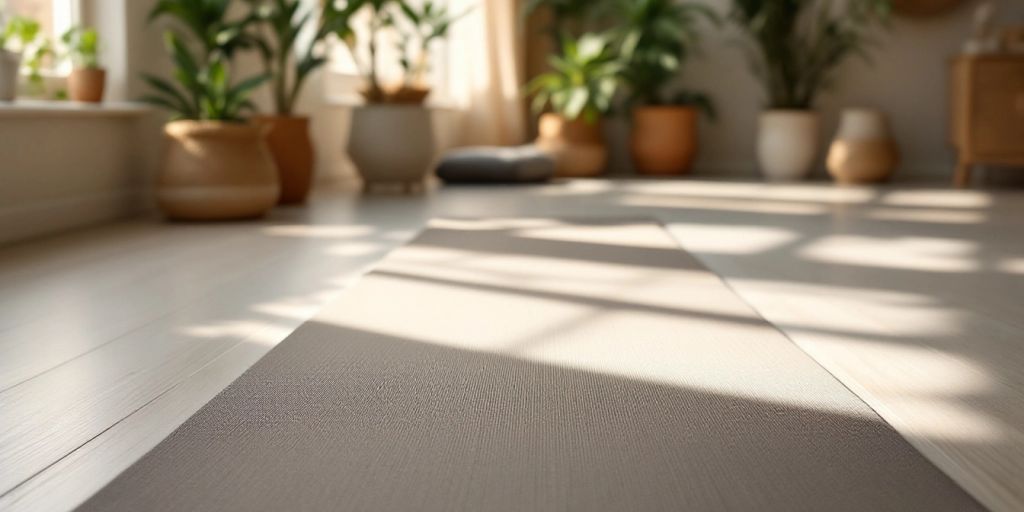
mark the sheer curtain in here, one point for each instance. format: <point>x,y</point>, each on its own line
<point>486,71</point>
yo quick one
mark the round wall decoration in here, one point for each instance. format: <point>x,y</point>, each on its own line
<point>924,8</point>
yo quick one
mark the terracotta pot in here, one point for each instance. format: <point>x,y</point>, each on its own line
<point>10,63</point>
<point>87,84</point>
<point>292,148</point>
<point>578,147</point>
<point>216,171</point>
<point>390,143</point>
<point>863,151</point>
<point>787,145</point>
<point>664,139</point>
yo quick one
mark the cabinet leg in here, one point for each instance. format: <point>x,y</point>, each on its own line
<point>962,179</point>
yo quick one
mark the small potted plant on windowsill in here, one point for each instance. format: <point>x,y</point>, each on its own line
<point>217,165</point>
<point>17,36</point>
<point>87,80</point>
<point>279,31</point>
<point>657,37</point>
<point>795,48</point>
<point>579,90</point>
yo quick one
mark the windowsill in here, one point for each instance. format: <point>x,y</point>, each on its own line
<point>43,108</point>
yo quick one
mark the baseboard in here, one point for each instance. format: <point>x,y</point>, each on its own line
<point>42,218</point>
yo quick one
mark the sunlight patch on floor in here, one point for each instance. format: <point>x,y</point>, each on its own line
<point>906,253</point>
<point>732,239</point>
<point>929,215</point>
<point>723,205</point>
<point>938,199</point>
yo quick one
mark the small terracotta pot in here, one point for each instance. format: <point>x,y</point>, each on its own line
<point>216,171</point>
<point>577,146</point>
<point>664,139</point>
<point>87,84</point>
<point>863,150</point>
<point>292,148</point>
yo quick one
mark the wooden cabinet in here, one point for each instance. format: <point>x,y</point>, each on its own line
<point>988,112</point>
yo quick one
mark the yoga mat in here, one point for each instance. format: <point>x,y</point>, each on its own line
<point>535,364</point>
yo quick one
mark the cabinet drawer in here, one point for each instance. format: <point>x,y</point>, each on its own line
<point>998,102</point>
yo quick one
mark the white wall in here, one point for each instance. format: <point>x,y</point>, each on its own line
<point>61,168</point>
<point>908,79</point>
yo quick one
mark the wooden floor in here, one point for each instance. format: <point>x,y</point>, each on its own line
<point>914,298</point>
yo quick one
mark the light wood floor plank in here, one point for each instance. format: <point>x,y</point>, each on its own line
<point>911,296</point>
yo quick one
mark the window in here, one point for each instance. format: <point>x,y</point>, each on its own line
<point>54,16</point>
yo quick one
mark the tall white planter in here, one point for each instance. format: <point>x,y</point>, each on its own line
<point>392,144</point>
<point>787,145</point>
<point>10,63</point>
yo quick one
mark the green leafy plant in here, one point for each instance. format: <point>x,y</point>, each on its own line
<point>19,33</point>
<point>582,81</point>
<point>427,24</point>
<point>795,46</point>
<point>208,22</point>
<point>417,28</point>
<point>285,20</point>
<point>657,37</point>
<point>203,89</point>
<point>24,35</point>
<point>83,46</point>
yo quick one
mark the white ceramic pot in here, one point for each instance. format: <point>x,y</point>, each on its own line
<point>863,150</point>
<point>392,144</point>
<point>10,63</point>
<point>787,144</point>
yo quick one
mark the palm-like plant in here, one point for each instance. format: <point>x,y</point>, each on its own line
<point>285,20</point>
<point>204,89</point>
<point>428,23</point>
<point>583,79</point>
<point>657,37</point>
<point>795,46</point>
<point>208,22</point>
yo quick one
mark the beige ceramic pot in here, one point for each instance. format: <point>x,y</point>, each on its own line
<point>664,139</point>
<point>392,144</point>
<point>87,84</point>
<point>216,171</point>
<point>578,147</point>
<point>787,144</point>
<point>863,150</point>
<point>292,148</point>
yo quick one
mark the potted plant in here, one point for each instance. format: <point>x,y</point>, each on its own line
<point>217,166</point>
<point>282,23</point>
<point>395,112</point>
<point>418,30</point>
<point>795,47</point>
<point>579,90</point>
<point>658,36</point>
<point>17,36</point>
<point>87,79</point>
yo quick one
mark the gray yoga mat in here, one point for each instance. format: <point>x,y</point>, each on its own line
<point>508,365</point>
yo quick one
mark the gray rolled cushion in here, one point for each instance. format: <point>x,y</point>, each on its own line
<point>523,164</point>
